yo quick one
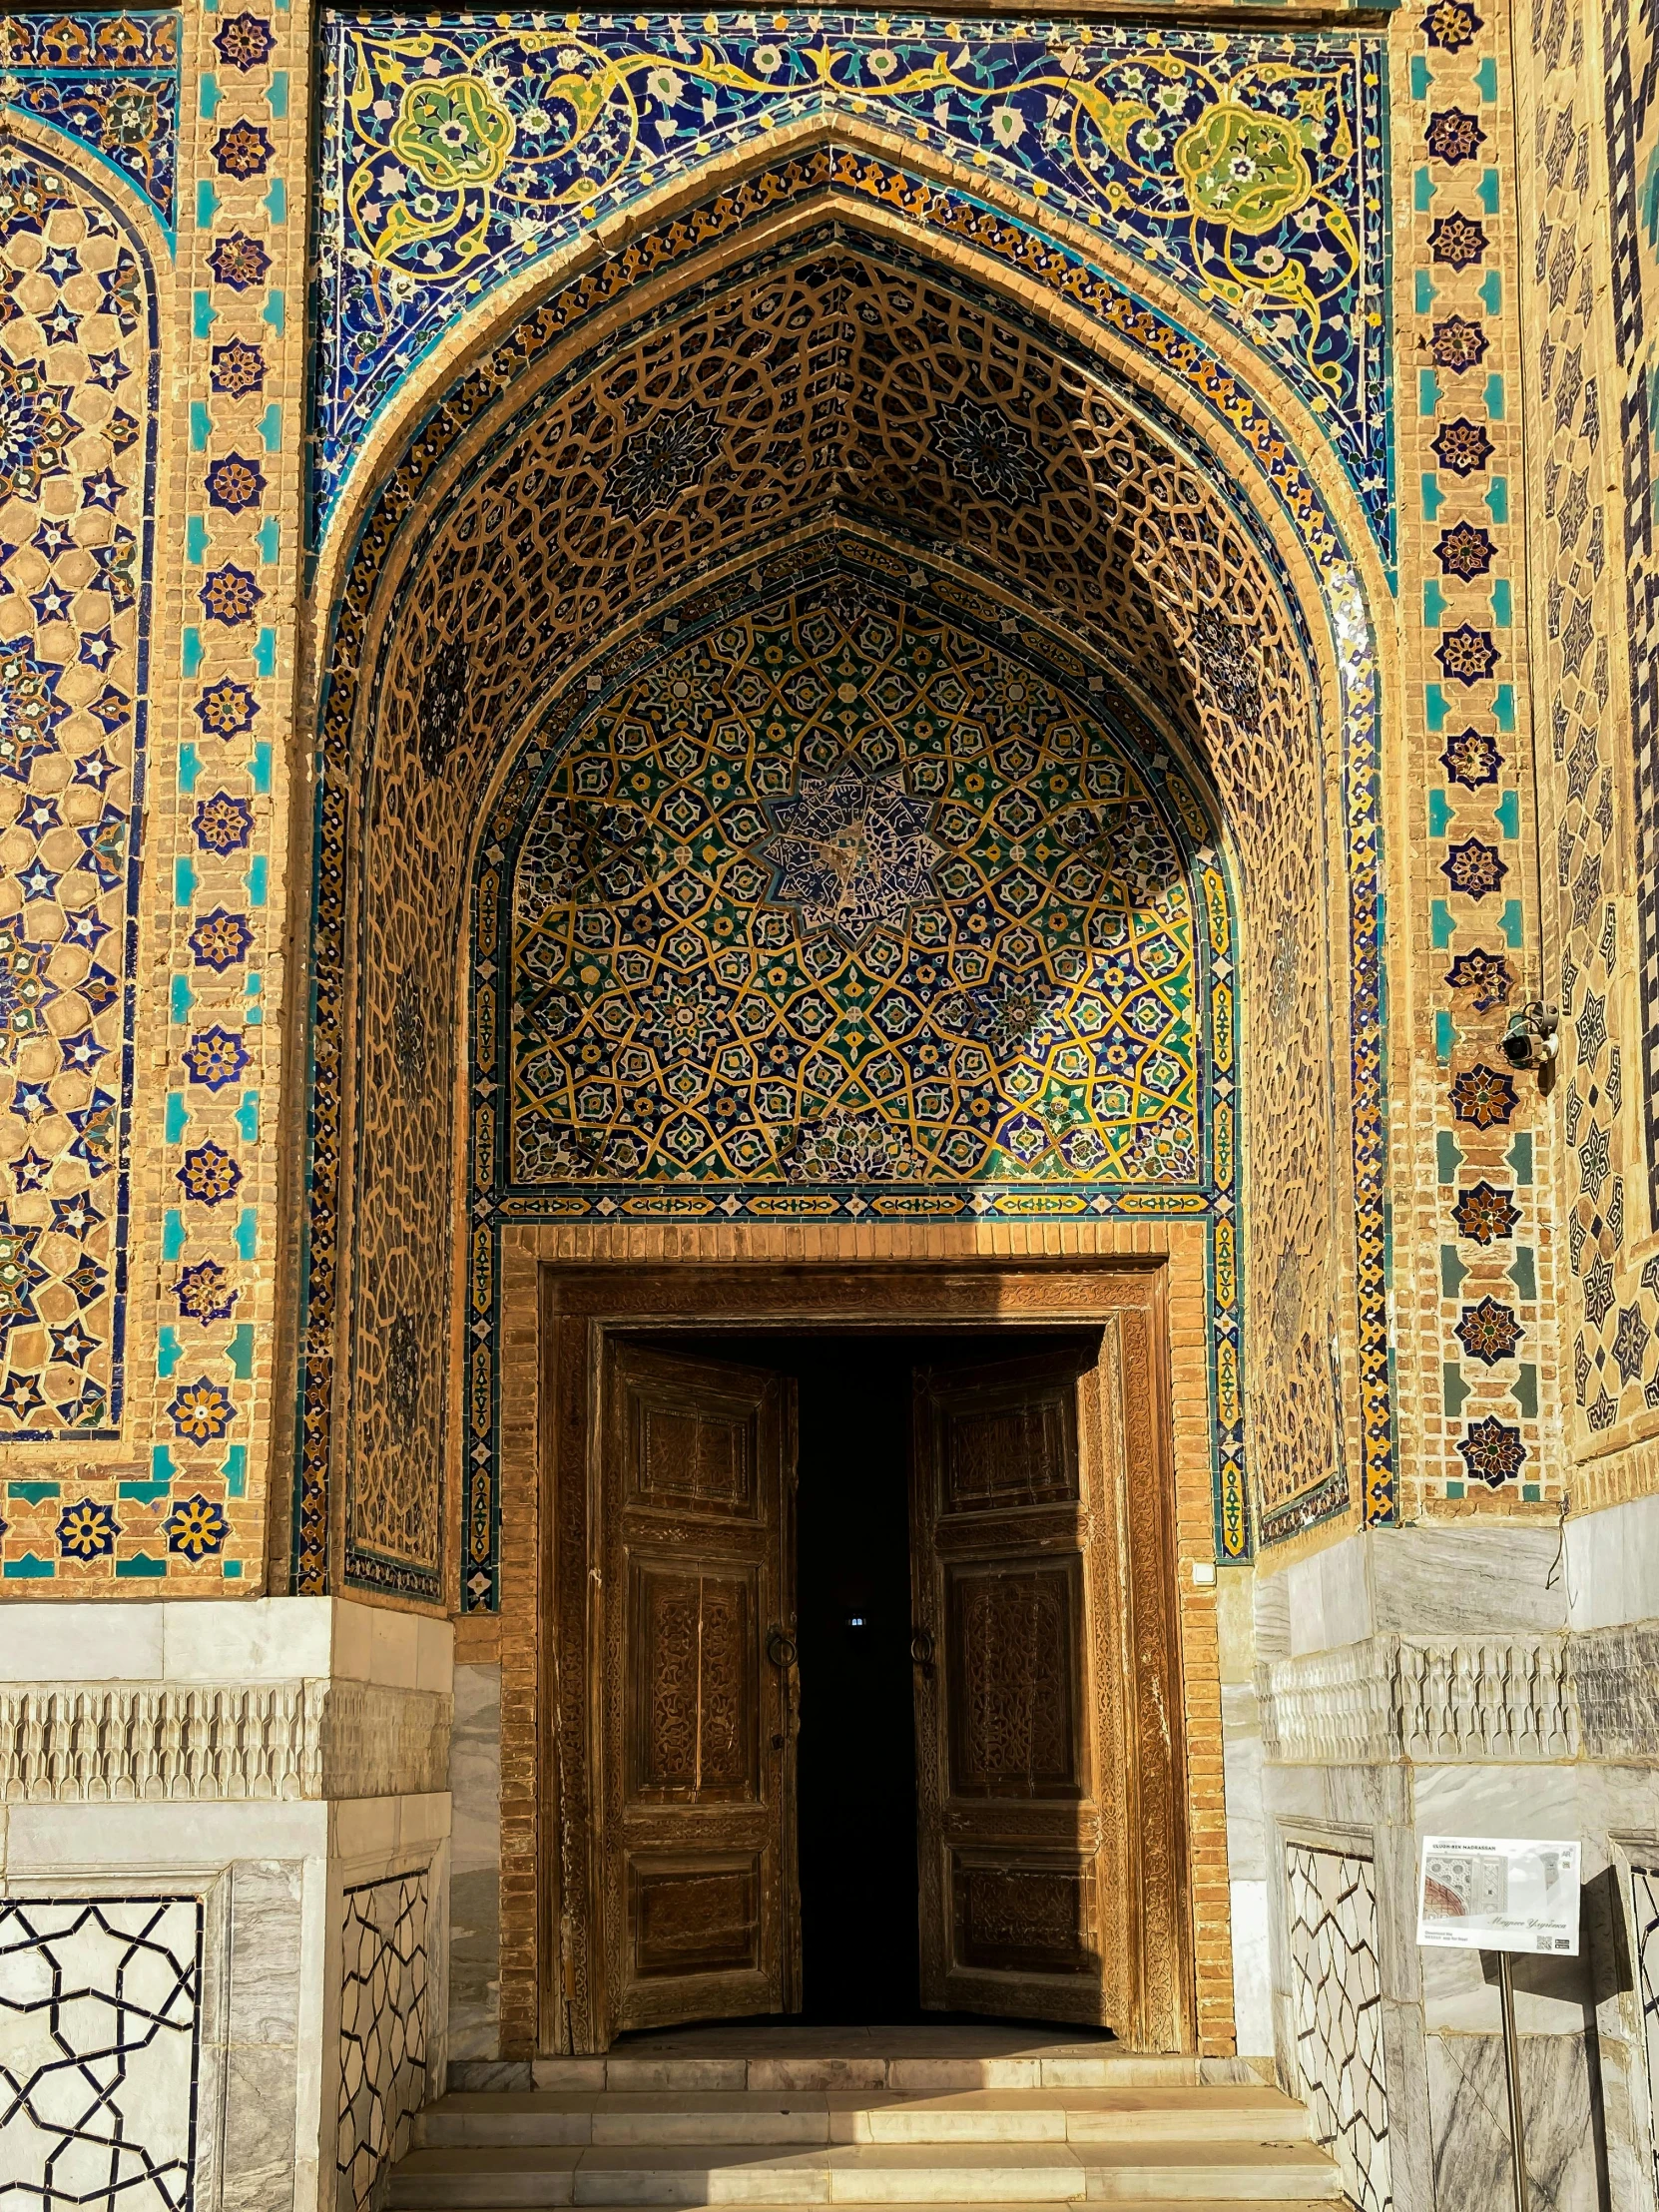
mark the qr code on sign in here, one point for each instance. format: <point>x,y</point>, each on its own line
<point>1552,1942</point>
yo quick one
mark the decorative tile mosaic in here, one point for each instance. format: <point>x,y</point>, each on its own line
<point>111,82</point>
<point>1337,2000</point>
<point>78,380</point>
<point>382,2035</point>
<point>656,470</point>
<point>1248,170</point>
<point>100,2042</point>
<point>1477,1220</point>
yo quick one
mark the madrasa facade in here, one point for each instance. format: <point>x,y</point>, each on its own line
<point>828,1101</point>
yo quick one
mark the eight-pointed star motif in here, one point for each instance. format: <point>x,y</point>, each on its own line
<point>851,852</point>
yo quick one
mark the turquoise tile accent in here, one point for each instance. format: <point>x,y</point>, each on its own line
<point>253,1013</point>
<point>1531,1493</point>
<point>1504,707</point>
<point>193,650</point>
<point>1449,1157</point>
<point>1485,78</point>
<point>247,1234</point>
<point>204,315</point>
<point>1428,392</point>
<point>239,1351</point>
<point>182,998</point>
<point>1523,1274</point>
<point>196,539</point>
<point>1488,191</point>
<point>236,1471</point>
<point>275,311</point>
<point>248,1117</point>
<point>143,1494</point>
<point>1453,1390</point>
<point>277,95</point>
<point>172,1234</point>
<point>1452,1270</point>
<point>1507,811</point>
<point>1441,924</point>
<point>206,205</point>
<point>1423,184</point>
<point>258,876</point>
<point>1526,1392</point>
<point>269,539</point>
<point>1497,500</point>
<point>1519,1156</point>
<point>1491,291</point>
<point>277,200</point>
<point>1446,1036</point>
<point>232,1570</point>
<point>140,1568</point>
<point>1435,701</point>
<point>1440,814</point>
<point>271,427</point>
<point>34,1493</point>
<point>259,769</point>
<point>177,1117</point>
<point>169,1350</point>
<point>1495,398</point>
<point>189,766</point>
<point>31,1569</point>
<point>184,881</point>
<point>1422,79</point>
<point>1432,496</point>
<point>264,653</point>
<point>201,426</point>
<point>161,1464</point>
<point>1503,610</point>
<point>208,95</point>
<point>1511,922</point>
<point>1424,292</point>
<point>1434,604</point>
<point>1454,1490</point>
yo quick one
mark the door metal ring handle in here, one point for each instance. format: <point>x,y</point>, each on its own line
<point>921,1650</point>
<point>781,1650</point>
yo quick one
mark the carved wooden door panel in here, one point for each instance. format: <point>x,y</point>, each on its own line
<point>1030,1737</point>
<point>697,1876</point>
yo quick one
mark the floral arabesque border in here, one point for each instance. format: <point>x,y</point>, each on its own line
<point>111,82</point>
<point>1249,169</point>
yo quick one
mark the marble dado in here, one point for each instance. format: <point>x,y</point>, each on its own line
<point>98,1741</point>
<point>1388,1698</point>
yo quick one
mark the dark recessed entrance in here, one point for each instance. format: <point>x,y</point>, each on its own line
<point>855,1768</point>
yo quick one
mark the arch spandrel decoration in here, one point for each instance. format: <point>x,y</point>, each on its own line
<point>534,544</point>
<point>1245,169</point>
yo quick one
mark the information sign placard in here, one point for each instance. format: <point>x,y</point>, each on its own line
<point>1499,1893</point>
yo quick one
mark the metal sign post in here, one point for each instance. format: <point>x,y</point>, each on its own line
<point>1488,1892</point>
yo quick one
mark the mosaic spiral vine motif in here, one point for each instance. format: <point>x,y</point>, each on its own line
<point>836,895</point>
<point>1246,169</point>
<point>111,81</point>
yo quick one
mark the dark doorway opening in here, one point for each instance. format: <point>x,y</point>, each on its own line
<point>856,1766</point>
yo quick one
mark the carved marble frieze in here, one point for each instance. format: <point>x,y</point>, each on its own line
<point>114,1742</point>
<point>1477,1698</point>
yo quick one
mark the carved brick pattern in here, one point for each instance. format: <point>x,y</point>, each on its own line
<point>1497,1698</point>
<point>1644,1906</point>
<point>1337,1995</point>
<point>382,2033</point>
<point>67,1742</point>
<point>100,2038</point>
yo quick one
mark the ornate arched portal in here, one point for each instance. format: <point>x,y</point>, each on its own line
<point>822,440</point>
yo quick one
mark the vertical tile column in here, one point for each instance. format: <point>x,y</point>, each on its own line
<point>1479,1273</point>
<point>221,789</point>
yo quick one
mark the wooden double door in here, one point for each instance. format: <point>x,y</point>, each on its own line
<point>1050,1854</point>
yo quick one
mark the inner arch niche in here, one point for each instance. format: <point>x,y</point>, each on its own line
<point>1085,709</point>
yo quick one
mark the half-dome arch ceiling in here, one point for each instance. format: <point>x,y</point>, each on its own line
<point>1244,171</point>
<point>825,625</point>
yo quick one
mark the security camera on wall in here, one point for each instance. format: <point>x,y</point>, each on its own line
<point>1533,1037</point>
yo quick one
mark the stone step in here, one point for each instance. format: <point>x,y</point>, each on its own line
<point>1011,2174</point>
<point>1097,2066</point>
<point>1230,2111</point>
